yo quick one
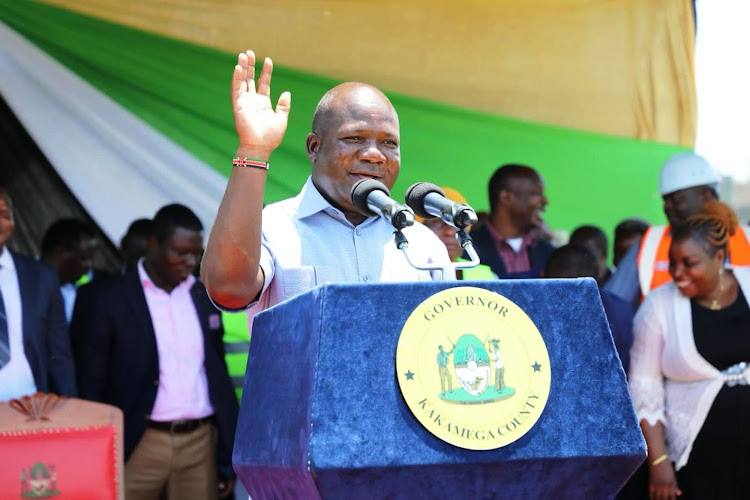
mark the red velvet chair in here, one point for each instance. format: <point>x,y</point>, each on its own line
<point>52,447</point>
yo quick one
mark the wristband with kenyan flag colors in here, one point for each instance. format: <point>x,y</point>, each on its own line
<point>249,162</point>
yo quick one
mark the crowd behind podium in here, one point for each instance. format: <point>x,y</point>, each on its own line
<point>152,337</point>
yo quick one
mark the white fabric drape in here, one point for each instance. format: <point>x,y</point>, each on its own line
<point>117,166</point>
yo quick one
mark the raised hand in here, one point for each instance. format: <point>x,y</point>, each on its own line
<point>260,129</point>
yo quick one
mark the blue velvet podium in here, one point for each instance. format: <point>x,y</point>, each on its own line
<point>322,414</point>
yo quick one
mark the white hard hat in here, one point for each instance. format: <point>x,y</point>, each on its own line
<point>686,170</point>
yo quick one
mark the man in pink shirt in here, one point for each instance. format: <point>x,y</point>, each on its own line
<point>150,342</point>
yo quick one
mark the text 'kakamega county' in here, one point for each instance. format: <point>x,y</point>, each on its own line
<point>464,432</point>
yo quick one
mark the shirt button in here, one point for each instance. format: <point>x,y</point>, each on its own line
<point>358,231</point>
<point>366,277</point>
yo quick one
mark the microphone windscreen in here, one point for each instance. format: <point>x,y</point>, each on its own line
<point>361,190</point>
<point>416,194</point>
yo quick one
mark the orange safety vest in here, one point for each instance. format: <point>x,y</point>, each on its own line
<point>653,255</point>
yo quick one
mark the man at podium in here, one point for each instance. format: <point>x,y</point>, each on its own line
<point>256,257</point>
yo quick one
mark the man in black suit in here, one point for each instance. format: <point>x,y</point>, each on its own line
<point>35,353</point>
<point>150,342</point>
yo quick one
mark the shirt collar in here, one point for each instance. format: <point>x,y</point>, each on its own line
<point>528,238</point>
<point>147,282</point>
<point>311,202</point>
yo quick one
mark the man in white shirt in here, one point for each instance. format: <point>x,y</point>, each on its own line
<point>35,353</point>
<point>319,236</point>
<point>257,258</point>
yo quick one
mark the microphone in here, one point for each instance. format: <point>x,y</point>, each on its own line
<point>428,201</point>
<point>372,198</point>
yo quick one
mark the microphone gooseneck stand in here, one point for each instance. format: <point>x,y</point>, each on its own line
<point>372,198</point>
<point>446,272</point>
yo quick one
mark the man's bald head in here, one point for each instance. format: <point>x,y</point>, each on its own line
<point>355,135</point>
<point>341,98</point>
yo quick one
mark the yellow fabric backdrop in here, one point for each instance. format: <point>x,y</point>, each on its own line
<point>621,67</point>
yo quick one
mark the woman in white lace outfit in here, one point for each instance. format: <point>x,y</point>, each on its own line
<point>688,375</point>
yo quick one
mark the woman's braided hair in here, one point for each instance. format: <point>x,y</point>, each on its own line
<point>713,226</point>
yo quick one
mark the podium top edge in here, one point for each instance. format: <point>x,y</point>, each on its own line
<point>455,284</point>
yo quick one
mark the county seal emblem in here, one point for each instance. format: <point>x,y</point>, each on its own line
<point>39,481</point>
<point>473,368</point>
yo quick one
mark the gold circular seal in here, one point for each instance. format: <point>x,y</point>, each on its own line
<point>473,368</point>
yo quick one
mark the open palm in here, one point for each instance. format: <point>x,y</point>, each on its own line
<point>259,127</point>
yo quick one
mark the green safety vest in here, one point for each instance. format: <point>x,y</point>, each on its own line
<point>236,345</point>
<point>479,273</point>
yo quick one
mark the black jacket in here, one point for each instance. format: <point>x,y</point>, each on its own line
<point>45,330</point>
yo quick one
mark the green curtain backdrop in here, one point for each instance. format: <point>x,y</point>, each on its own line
<point>182,90</point>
